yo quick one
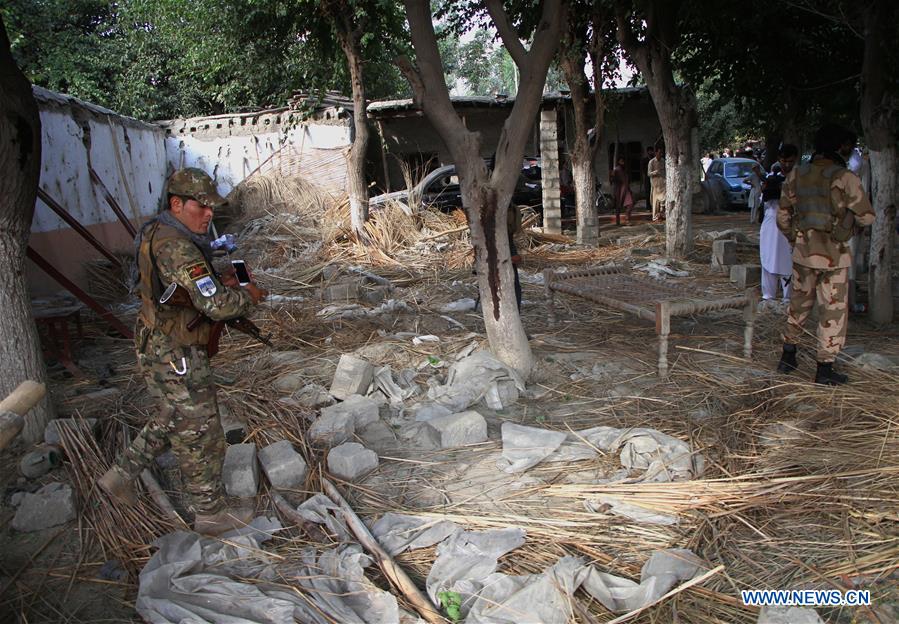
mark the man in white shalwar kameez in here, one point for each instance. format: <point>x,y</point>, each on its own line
<point>774,249</point>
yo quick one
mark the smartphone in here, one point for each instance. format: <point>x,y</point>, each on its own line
<point>240,269</point>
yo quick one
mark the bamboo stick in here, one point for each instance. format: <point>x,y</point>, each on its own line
<point>391,570</point>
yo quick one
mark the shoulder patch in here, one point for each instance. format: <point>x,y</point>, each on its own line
<point>198,270</point>
<point>206,286</point>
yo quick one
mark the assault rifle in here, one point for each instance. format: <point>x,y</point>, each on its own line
<point>177,296</point>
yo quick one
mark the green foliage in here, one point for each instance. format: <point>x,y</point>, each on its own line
<point>169,58</point>
<point>452,605</point>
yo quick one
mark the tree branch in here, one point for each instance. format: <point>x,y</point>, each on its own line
<point>507,32</point>
<point>411,74</point>
<point>433,94</point>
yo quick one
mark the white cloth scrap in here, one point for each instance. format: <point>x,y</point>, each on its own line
<point>397,533</point>
<point>476,377</point>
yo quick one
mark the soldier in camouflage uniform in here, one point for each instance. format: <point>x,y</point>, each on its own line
<point>173,249</point>
<point>821,205</point>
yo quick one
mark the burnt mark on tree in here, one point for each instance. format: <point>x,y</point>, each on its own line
<point>25,138</point>
<point>488,225</point>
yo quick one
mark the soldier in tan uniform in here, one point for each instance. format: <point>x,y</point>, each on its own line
<point>821,205</point>
<point>174,257</point>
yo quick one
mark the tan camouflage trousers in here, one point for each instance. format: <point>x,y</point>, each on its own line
<point>827,292</point>
<point>180,379</point>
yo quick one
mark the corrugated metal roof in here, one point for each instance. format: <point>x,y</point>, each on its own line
<point>386,107</point>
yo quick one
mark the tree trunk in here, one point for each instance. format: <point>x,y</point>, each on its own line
<point>885,191</point>
<point>878,115</point>
<point>583,152</point>
<point>584,178</point>
<point>676,107</point>
<point>20,161</point>
<point>356,185</point>
<point>496,277</point>
<point>677,115</point>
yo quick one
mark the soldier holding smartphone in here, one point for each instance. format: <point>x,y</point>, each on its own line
<point>173,249</point>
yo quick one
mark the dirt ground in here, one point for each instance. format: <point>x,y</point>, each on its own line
<point>595,367</point>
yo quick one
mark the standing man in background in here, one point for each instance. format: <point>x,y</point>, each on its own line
<point>821,206</point>
<point>656,172</point>
<point>774,248</point>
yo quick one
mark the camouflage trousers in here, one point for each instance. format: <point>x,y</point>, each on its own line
<point>827,292</point>
<point>187,421</point>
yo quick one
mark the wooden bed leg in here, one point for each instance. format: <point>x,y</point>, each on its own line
<point>749,313</point>
<point>550,296</point>
<point>663,328</point>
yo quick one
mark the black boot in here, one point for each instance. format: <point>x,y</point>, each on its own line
<point>827,376</point>
<point>787,362</point>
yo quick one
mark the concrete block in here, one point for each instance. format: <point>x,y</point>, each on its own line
<point>340,292</point>
<point>234,428</point>
<point>351,460</point>
<point>332,428</point>
<point>377,294</point>
<point>284,467</point>
<point>50,506</point>
<point>338,422</point>
<point>241,471</point>
<point>724,254</point>
<point>459,429</point>
<point>353,376</point>
<point>746,275</point>
<point>51,431</point>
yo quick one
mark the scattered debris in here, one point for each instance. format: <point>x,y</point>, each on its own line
<point>459,429</point>
<point>50,506</point>
<point>353,376</point>
<point>351,460</point>
<point>284,467</point>
<point>240,472</point>
<point>465,304</point>
<point>51,431</point>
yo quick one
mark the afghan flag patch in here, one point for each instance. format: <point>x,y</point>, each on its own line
<point>196,271</point>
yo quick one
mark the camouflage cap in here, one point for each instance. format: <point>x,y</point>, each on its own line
<point>196,184</point>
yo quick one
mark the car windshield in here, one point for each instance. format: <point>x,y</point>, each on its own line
<point>738,169</point>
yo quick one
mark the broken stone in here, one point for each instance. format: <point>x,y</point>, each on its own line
<point>746,275</point>
<point>313,396</point>
<point>724,254</point>
<point>363,410</point>
<point>281,358</point>
<point>50,506</point>
<point>332,428</point>
<point>429,411</point>
<point>240,471</point>
<point>376,294</point>
<point>284,467</point>
<point>459,429</point>
<point>16,499</point>
<point>330,272</point>
<point>460,305</point>
<point>234,428</point>
<point>353,376</point>
<point>351,460</point>
<point>288,383</point>
<point>51,431</point>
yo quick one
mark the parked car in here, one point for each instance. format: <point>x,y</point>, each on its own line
<point>728,175</point>
<point>440,190</point>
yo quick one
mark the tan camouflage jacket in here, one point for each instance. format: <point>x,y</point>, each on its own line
<point>179,260</point>
<point>814,249</point>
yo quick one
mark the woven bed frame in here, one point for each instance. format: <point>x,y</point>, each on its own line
<point>615,287</point>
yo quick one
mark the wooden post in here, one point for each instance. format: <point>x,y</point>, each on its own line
<point>391,570</point>
<point>14,407</point>
<point>550,296</point>
<point>663,328</point>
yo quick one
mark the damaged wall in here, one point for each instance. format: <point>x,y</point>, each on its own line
<point>77,136</point>
<point>232,147</point>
